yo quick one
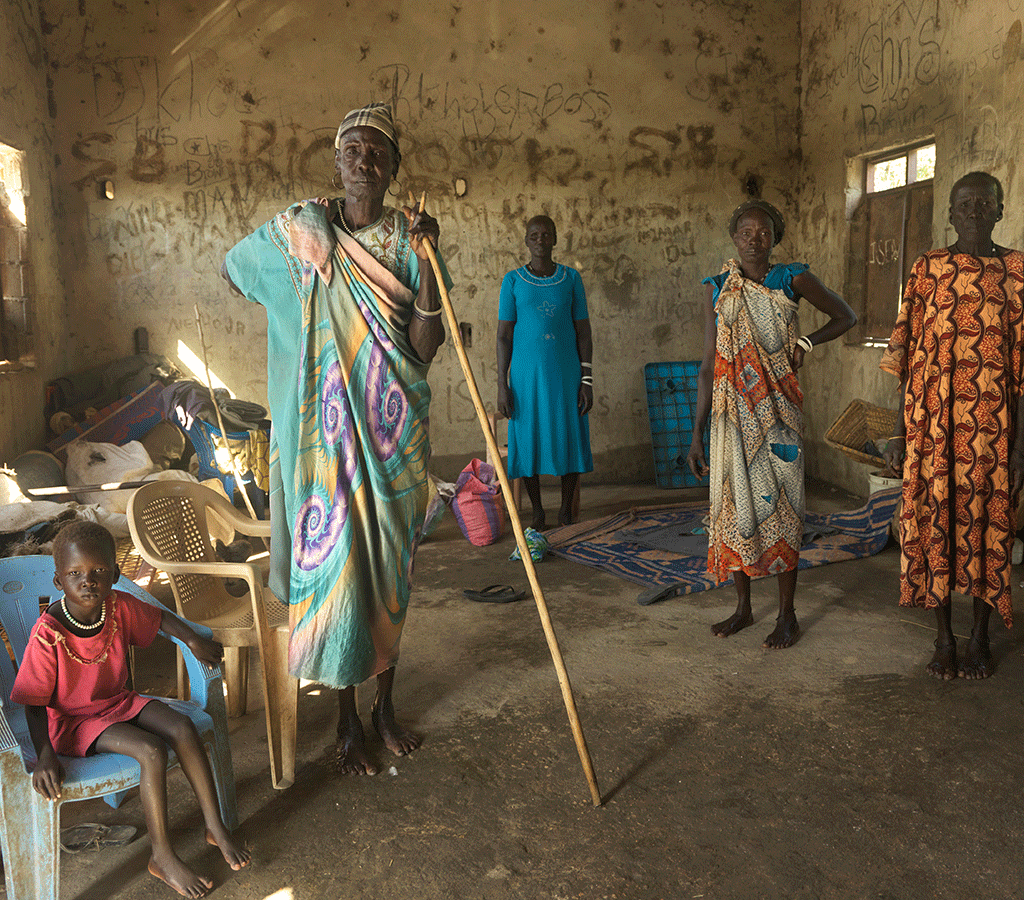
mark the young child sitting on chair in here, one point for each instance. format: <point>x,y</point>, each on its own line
<point>73,684</point>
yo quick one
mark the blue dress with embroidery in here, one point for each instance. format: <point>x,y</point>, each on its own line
<point>546,434</point>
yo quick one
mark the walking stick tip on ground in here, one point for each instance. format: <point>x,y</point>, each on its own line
<point>538,594</point>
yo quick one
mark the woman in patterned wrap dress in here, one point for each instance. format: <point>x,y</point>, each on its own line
<point>748,387</point>
<point>956,349</point>
<point>353,321</point>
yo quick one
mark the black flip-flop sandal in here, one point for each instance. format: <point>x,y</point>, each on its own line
<point>662,592</point>
<point>495,593</point>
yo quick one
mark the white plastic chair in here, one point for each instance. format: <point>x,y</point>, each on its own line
<point>170,523</point>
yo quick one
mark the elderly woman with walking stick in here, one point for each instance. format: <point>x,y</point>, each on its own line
<point>354,320</point>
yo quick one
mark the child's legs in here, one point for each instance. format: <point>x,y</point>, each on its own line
<point>150,752</point>
<point>180,733</point>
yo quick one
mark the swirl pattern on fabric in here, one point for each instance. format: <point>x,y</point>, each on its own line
<point>957,343</point>
<point>318,526</point>
<point>386,406</point>
<point>345,390</point>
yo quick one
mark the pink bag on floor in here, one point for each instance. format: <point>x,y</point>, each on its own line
<point>478,504</point>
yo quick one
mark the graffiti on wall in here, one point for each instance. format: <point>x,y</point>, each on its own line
<point>901,66</point>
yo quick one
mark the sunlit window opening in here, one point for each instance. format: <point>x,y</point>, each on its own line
<point>924,159</point>
<point>12,191</point>
<point>909,167</point>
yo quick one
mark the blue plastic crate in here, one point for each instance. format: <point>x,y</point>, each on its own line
<point>671,406</point>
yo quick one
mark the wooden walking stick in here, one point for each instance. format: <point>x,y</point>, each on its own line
<point>524,550</point>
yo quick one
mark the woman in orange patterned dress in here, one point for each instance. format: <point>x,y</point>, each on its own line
<point>956,349</point>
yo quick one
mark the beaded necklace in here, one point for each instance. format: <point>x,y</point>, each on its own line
<point>341,215</point>
<point>94,626</point>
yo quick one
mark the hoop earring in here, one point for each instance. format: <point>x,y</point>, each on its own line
<point>334,181</point>
<point>398,193</point>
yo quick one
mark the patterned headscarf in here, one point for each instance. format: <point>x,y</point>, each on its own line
<point>778,223</point>
<point>376,115</point>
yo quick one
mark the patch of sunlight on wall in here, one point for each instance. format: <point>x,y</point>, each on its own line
<point>198,368</point>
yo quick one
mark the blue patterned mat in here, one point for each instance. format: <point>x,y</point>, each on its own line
<point>833,537</point>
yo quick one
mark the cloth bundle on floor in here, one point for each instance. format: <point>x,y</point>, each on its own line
<point>478,504</point>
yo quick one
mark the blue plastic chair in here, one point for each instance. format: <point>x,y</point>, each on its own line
<point>30,825</point>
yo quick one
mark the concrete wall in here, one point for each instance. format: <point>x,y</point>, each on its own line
<point>878,75</point>
<point>27,125</point>
<point>634,123</point>
<point>636,127</point>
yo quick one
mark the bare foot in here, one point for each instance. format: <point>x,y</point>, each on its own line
<point>736,622</point>
<point>943,664</point>
<point>397,739</point>
<point>350,752</point>
<point>787,630</point>
<point>175,874</point>
<point>234,856</point>
<point>977,661</point>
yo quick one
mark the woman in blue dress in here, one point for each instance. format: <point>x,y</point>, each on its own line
<point>545,382</point>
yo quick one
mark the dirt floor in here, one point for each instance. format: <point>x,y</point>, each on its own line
<point>834,769</point>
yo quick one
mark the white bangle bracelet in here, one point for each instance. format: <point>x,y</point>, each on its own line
<point>425,314</point>
<point>805,342</point>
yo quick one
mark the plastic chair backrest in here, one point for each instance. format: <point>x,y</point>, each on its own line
<point>171,519</point>
<point>26,584</point>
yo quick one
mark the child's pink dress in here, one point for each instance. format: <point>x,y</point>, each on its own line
<point>82,681</point>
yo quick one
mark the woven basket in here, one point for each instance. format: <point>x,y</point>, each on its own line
<point>861,423</point>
